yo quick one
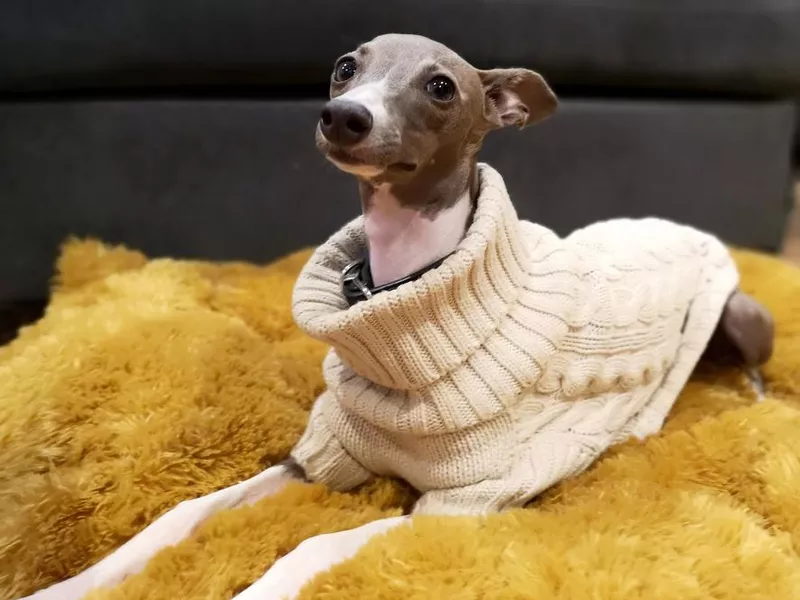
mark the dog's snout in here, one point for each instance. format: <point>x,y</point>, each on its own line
<point>345,123</point>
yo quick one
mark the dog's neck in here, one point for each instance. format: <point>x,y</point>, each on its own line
<point>411,225</point>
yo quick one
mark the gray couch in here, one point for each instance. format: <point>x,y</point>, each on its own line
<point>186,128</point>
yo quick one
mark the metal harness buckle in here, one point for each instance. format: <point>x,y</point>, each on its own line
<point>351,274</point>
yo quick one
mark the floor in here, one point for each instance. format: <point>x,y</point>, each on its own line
<point>791,248</point>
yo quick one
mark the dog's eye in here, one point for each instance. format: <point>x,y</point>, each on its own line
<point>441,88</point>
<point>345,69</point>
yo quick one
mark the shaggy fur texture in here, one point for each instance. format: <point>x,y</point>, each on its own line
<point>149,382</point>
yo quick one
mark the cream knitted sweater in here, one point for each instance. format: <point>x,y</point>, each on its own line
<point>512,365</point>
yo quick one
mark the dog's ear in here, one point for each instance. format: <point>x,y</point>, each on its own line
<point>516,97</point>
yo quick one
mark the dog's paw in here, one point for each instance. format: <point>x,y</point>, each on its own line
<point>289,574</point>
<point>169,529</point>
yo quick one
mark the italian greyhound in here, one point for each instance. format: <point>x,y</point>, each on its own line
<point>406,118</point>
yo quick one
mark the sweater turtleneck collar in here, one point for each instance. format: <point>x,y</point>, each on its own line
<point>412,336</point>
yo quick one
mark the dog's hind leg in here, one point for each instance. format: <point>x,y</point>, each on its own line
<point>750,328</point>
<point>745,336</point>
<point>168,530</point>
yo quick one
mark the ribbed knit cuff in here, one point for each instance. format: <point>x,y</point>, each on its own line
<point>323,458</point>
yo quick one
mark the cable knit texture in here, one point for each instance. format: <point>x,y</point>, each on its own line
<point>515,363</point>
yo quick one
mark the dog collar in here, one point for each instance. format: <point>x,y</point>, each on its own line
<point>357,280</point>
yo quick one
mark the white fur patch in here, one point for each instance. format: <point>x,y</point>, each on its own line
<point>402,240</point>
<point>371,96</point>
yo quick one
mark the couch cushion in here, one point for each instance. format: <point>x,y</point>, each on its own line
<point>243,180</point>
<point>705,45</point>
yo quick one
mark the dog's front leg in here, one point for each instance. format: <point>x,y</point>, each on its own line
<point>289,574</point>
<point>168,530</point>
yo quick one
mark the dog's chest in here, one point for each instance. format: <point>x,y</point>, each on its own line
<point>403,240</point>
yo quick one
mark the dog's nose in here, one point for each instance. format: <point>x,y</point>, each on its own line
<point>345,123</point>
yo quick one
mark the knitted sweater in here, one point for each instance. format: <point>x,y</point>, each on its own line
<point>512,365</point>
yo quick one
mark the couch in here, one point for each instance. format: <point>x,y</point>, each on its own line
<point>186,128</point>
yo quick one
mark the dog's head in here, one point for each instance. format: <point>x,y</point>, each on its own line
<point>400,102</point>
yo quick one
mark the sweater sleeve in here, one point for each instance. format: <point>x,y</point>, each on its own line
<point>322,455</point>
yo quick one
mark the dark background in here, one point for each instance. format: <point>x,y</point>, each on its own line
<point>186,128</point>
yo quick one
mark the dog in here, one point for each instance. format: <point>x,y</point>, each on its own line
<point>406,118</point>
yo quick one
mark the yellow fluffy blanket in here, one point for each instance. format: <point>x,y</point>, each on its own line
<point>150,382</point>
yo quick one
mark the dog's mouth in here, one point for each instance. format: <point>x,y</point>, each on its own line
<point>406,167</point>
<point>345,159</point>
